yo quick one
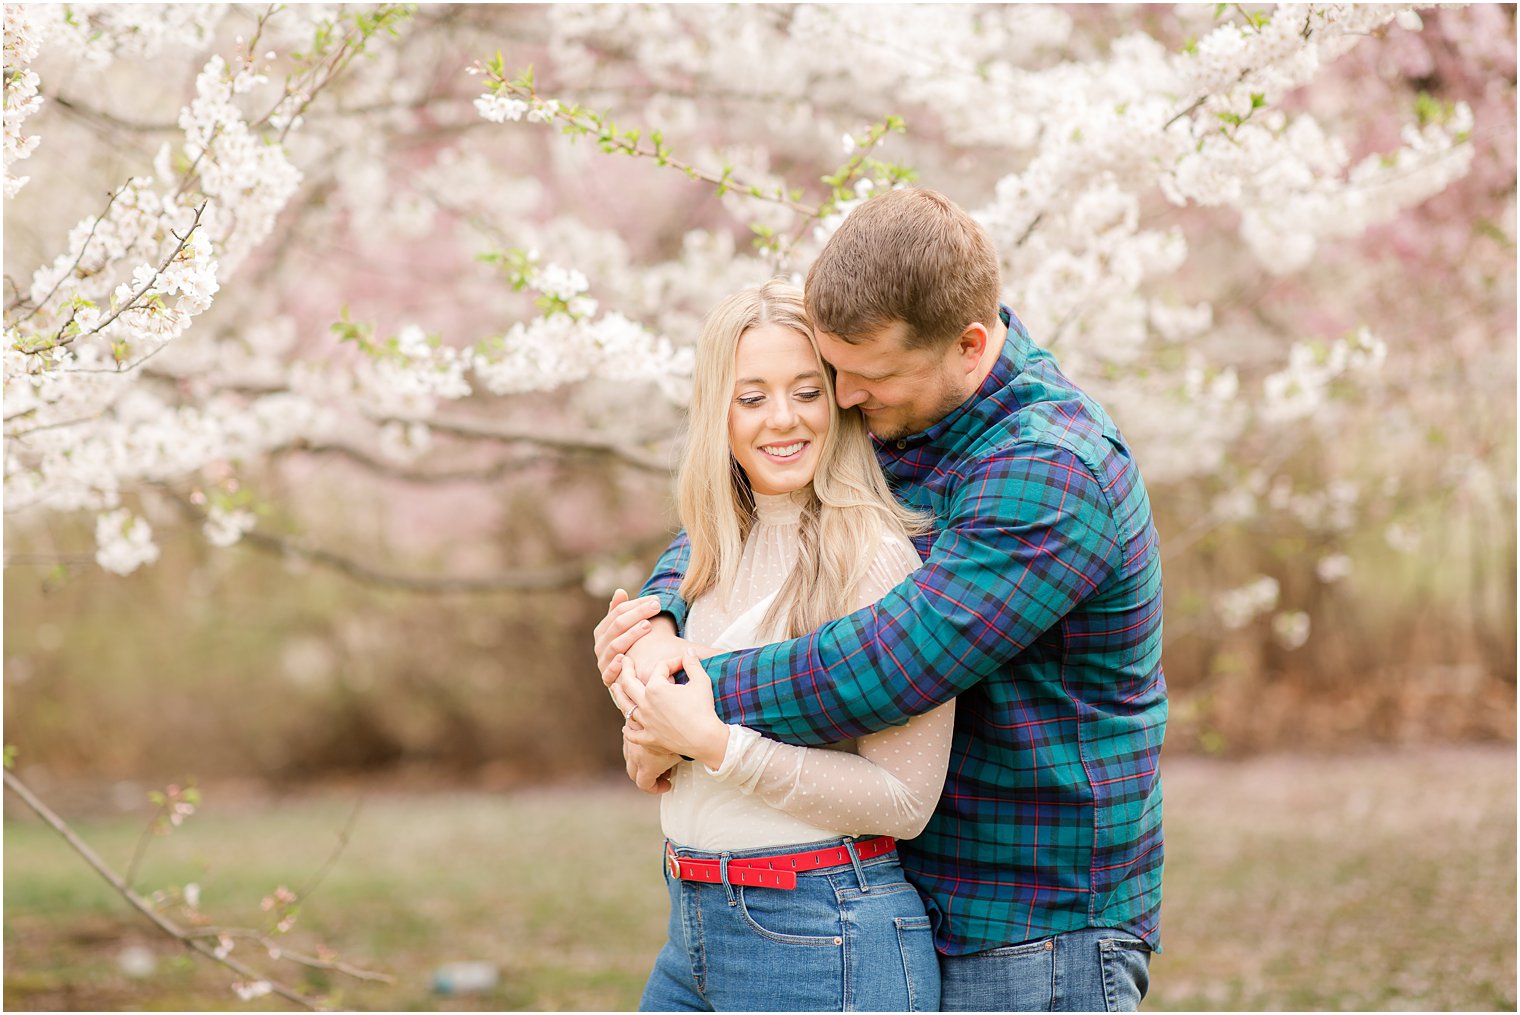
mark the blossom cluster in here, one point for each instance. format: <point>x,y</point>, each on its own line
<point>1300,389</point>
<point>247,179</point>
<point>1090,265</point>
<point>1142,186</point>
<point>97,34</point>
<point>25,27</point>
<point>1239,606</point>
<point>553,351</point>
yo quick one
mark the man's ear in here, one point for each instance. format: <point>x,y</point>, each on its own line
<point>971,344</point>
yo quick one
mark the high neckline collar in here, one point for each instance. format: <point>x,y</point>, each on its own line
<point>781,508</point>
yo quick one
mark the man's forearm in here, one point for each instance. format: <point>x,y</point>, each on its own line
<point>998,577</point>
<point>665,581</point>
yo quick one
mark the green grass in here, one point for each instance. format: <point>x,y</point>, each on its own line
<point>1380,881</point>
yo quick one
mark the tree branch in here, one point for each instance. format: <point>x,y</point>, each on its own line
<point>184,241</point>
<point>542,579</point>
<point>299,958</point>
<point>578,122</point>
<point>101,118</point>
<point>567,441</point>
<point>304,895</point>
<point>481,474</point>
<point>187,938</point>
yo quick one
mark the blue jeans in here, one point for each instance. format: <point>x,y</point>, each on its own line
<point>1083,970</point>
<point>848,938</point>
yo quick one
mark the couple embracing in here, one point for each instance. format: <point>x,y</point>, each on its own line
<point>913,760</point>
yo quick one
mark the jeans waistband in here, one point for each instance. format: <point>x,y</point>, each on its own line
<point>767,868</point>
<point>786,849</point>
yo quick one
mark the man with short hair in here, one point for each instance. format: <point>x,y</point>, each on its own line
<point>1038,605</point>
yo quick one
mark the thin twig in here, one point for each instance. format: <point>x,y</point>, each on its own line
<point>344,836</point>
<point>1191,109</point>
<point>124,368</point>
<point>184,241</point>
<point>478,474</point>
<point>1202,99</point>
<point>56,425</point>
<point>192,174</point>
<point>1029,231</point>
<point>82,248</point>
<point>142,905</point>
<point>569,441</point>
<point>299,958</point>
<point>623,144</point>
<point>130,877</point>
<point>543,579</point>
<point>69,560</point>
<point>101,118</point>
<point>352,45</point>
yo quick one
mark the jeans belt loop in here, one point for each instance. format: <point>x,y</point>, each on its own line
<point>860,872</point>
<point>728,885</point>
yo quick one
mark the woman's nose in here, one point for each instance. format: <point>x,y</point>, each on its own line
<point>783,414</point>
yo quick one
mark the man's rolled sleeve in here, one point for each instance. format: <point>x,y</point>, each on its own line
<point>665,582</point>
<point>1029,535</point>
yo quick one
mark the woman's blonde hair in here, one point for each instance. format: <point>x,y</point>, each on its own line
<point>844,515</point>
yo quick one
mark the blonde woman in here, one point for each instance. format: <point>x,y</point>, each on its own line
<point>785,887</point>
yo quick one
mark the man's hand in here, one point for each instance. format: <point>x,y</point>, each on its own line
<point>627,623</point>
<point>648,767</point>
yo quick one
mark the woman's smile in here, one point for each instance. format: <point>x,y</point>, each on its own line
<point>779,414</point>
<point>785,452</point>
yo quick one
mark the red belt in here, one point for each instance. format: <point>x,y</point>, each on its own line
<point>773,871</point>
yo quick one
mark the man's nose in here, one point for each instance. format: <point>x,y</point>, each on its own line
<point>847,393</point>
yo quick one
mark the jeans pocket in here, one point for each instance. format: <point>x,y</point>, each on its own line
<point>1126,972</point>
<point>1012,978</point>
<point>791,917</point>
<point>915,940</point>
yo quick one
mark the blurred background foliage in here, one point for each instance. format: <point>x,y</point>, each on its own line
<point>251,662</point>
<point>233,663</point>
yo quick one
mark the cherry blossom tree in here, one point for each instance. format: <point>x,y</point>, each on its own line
<point>451,244</point>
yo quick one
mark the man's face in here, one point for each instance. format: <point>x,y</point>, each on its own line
<point>900,391</point>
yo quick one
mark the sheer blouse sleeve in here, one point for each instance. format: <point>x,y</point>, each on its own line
<point>889,788</point>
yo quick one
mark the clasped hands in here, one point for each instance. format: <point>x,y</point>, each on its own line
<point>637,653</point>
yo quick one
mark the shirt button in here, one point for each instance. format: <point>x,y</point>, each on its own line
<point>901,445</point>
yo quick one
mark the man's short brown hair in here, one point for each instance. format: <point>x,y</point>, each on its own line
<point>908,255</point>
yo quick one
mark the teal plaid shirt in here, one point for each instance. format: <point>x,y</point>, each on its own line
<point>1038,607</point>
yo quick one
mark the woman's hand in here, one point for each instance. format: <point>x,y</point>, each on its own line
<point>649,767</point>
<point>675,717</point>
<point>627,623</point>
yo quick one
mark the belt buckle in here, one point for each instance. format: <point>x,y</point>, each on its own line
<point>672,863</point>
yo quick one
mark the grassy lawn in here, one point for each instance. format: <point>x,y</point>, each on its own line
<point>1377,881</point>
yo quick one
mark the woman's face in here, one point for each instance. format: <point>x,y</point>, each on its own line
<point>779,414</point>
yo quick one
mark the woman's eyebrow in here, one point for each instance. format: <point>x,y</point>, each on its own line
<point>800,377</point>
